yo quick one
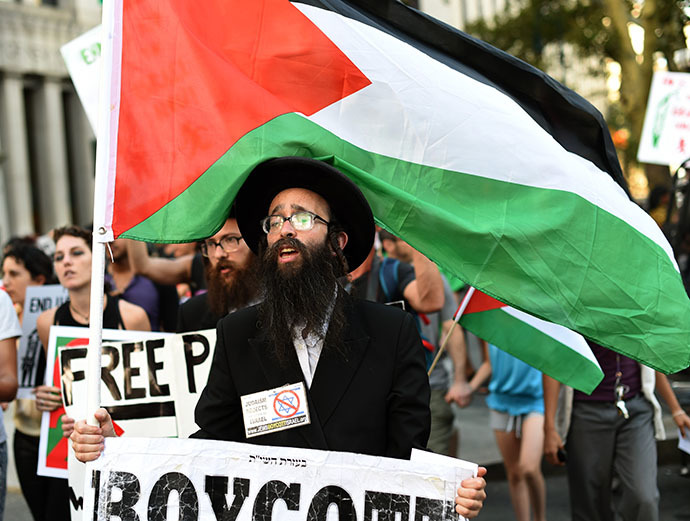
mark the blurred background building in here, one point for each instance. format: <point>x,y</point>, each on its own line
<point>47,148</point>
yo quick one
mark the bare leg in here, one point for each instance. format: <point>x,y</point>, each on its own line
<point>509,445</point>
<point>531,446</point>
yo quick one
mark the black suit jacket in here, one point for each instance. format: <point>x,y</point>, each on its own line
<point>372,400</point>
<point>194,315</point>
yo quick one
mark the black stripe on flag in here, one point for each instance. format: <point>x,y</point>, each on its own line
<point>572,120</point>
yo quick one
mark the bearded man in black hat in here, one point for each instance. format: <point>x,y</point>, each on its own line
<point>355,368</point>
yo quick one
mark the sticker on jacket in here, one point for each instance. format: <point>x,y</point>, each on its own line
<point>275,410</point>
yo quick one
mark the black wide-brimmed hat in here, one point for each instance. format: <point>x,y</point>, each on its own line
<point>346,201</point>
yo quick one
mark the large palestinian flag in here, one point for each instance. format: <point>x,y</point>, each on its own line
<point>492,169</point>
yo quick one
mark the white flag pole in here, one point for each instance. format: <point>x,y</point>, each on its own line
<point>456,319</point>
<point>104,181</point>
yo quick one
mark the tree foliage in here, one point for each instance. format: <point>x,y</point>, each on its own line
<point>595,28</point>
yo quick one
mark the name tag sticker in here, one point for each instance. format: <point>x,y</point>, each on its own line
<point>275,410</point>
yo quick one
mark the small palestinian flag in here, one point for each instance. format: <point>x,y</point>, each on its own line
<point>553,349</point>
<point>491,168</point>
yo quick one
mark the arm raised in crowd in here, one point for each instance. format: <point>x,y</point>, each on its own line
<point>425,293</point>
<point>159,270</point>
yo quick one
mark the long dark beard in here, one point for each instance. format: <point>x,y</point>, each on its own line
<point>234,292</point>
<point>301,295</point>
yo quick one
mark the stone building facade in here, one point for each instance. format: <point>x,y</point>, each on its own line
<point>47,147</point>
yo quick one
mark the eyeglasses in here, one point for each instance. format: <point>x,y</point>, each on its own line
<point>228,244</point>
<point>300,221</point>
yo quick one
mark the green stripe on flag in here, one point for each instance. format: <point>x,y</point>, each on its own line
<point>548,252</point>
<point>545,353</point>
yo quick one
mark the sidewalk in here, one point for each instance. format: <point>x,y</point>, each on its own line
<point>477,444</point>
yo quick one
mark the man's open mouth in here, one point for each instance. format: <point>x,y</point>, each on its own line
<point>287,254</point>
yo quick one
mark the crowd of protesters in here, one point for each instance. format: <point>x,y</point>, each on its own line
<point>190,287</point>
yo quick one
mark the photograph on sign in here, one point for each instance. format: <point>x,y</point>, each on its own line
<point>30,354</point>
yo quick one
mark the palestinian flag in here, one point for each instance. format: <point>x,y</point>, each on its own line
<point>491,168</point>
<point>553,349</point>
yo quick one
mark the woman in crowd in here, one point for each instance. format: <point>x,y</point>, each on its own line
<point>25,265</point>
<point>72,264</point>
<point>517,417</point>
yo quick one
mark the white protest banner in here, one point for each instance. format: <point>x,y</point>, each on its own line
<point>83,59</point>
<point>665,136</point>
<point>30,353</point>
<point>140,478</point>
<point>52,451</point>
<point>193,354</point>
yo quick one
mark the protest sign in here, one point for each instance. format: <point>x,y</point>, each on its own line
<point>136,379</point>
<point>192,357</point>
<point>83,59</point>
<point>145,385</point>
<point>212,480</point>
<point>52,452</point>
<point>139,383</point>
<point>665,138</point>
<point>30,370</point>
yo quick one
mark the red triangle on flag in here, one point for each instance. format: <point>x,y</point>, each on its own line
<point>482,302</point>
<point>119,431</point>
<point>197,76</point>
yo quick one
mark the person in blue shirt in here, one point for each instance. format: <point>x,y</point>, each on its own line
<point>516,408</point>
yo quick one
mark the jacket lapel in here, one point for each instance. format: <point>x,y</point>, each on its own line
<point>278,376</point>
<point>335,370</point>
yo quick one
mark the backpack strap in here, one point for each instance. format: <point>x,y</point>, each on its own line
<point>373,280</point>
<point>388,277</point>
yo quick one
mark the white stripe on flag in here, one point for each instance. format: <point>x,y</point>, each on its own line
<point>422,111</point>
<point>561,334</point>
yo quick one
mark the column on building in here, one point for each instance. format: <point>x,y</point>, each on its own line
<point>5,226</point>
<point>81,143</point>
<point>51,157</point>
<point>13,132</point>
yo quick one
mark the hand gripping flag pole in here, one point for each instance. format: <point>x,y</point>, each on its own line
<point>458,314</point>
